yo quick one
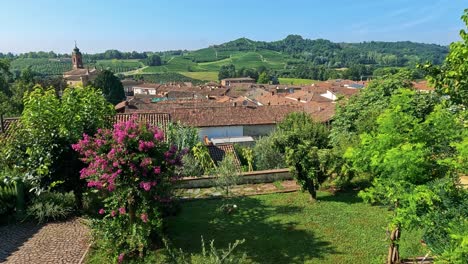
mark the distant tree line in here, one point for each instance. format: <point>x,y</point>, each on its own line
<point>260,74</point>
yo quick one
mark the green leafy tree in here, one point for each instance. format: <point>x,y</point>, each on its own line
<point>227,174</point>
<point>5,92</point>
<point>301,140</point>
<point>452,77</point>
<point>266,156</point>
<point>227,71</point>
<point>410,158</point>
<point>153,60</point>
<point>40,148</point>
<point>263,78</point>
<point>110,86</point>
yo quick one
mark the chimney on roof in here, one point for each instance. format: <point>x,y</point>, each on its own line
<point>272,92</point>
<point>234,104</point>
<point>207,141</point>
<point>269,103</point>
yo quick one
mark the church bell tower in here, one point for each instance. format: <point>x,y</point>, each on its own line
<point>77,61</point>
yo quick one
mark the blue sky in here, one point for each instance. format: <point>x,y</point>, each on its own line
<point>154,25</point>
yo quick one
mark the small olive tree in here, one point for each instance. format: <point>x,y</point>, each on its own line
<point>227,174</point>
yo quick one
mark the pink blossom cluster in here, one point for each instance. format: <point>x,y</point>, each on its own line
<point>129,154</point>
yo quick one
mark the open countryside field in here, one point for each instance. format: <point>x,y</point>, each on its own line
<point>295,81</point>
<point>119,65</point>
<point>204,76</point>
<point>289,228</point>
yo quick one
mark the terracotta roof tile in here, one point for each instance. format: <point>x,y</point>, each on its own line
<point>156,119</point>
<point>218,152</point>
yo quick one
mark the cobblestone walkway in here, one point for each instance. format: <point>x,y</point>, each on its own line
<point>63,242</point>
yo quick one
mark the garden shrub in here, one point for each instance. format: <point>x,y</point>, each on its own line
<point>52,206</point>
<point>201,154</point>
<point>191,166</point>
<point>266,156</point>
<point>39,149</point>
<point>245,155</point>
<point>227,174</point>
<point>7,198</point>
<point>133,167</point>
<point>303,142</point>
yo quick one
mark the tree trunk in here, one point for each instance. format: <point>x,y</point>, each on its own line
<point>20,203</point>
<point>393,253</point>
<point>131,209</point>
<point>311,188</point>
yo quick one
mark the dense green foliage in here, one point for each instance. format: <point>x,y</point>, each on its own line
<point>111,86</point>
<point>153,60</point>
<point>266,156</point>
<point>452,77</point>
<point>52,206</point>
<point>325,52</point>
<point>303,142</point>
<point>7,198</point>
<point>413,147</point>
<point>227,71</point>
<point>39,149</point>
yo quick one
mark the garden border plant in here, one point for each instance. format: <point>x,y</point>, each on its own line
<point>133,167</point>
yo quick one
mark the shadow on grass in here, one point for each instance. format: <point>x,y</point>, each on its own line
<point>13,236</point>
<point>272,233</point>
<point>348,196</point>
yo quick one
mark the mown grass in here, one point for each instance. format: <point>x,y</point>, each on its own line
<point>295,81</point>
<point>289,228</point>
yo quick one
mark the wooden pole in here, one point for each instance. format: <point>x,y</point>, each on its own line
<point>393,253</point>
<point>1,124</point>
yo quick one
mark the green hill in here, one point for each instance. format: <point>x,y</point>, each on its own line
<point>293,56</point>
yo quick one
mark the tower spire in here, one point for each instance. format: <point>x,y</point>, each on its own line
<point>77,61</point>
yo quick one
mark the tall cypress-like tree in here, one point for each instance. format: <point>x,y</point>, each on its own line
<point>110,86</point>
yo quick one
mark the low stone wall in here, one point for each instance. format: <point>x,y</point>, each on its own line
<point>265,176</point>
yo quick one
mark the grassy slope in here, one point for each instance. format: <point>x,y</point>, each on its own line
<point>207,76</point>
<point>295,81</point>
<point>269,59</point>
<point>288,228</point>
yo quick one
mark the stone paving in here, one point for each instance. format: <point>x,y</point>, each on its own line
<point>60,242</point>
<point>240,190</point>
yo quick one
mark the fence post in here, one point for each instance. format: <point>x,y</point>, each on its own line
<point>1,124</point>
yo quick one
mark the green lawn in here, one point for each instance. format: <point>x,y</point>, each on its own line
<point>295,81</point>
<point>288,228</point>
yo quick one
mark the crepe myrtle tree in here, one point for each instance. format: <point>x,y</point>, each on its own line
<point>133,167</point>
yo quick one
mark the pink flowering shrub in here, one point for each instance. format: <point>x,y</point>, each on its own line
<point>133,167</point>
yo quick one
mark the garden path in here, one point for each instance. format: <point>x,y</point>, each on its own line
<point>59,242</point>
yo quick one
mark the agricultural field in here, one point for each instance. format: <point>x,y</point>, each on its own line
<point>42,66</point>
<point>207,76</point>
<point>118,66</point>
<point>165,77</point>
<point>295,81</point>
<point>202,64</point>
